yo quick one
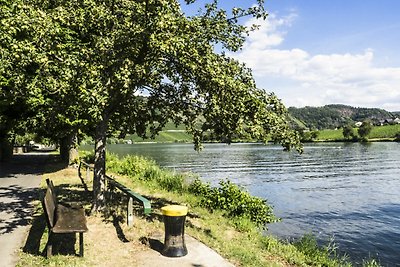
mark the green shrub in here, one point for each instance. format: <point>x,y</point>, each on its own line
<point>171,182</point>
<point>323,255</point>
<point>235,201</point>
<point>86,156</point>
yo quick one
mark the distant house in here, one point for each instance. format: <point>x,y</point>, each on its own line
<point>389,121</point>
<point>397,120</point>
<point>358,124</point>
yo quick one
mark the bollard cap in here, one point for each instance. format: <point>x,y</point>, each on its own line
<point>174,210</point>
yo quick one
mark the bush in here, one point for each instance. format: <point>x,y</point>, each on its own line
<point>364,130</point>
<point>235,201</point>
<point>324,255</point>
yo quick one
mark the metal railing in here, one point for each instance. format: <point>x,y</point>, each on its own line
<point>111,184</point>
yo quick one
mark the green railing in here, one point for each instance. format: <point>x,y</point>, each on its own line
<point>111,184</point>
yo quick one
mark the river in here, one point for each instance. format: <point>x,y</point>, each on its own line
<point>346,191</point>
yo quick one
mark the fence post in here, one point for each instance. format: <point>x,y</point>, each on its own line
<point>130,212</point>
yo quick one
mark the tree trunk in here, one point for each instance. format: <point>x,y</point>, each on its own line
<point>99,166</point>
<point>6,149</point>
<point>69,148</point>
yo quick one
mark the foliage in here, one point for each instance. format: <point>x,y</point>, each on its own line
<point>87,64</point>
<point>365,129</point>
<point>318,117</point>
<point>348,132</point>
<point>324,255</point>
<point>335,116</point>
<point>308,136</point>
<point>234,200</point>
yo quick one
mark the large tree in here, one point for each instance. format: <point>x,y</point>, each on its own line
<point>17,71</point>
<point>39,80</point>
<point>136,65</point>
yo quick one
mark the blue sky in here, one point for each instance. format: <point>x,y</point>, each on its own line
<point>317,52</point>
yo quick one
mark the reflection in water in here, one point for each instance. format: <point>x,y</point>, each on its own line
<point>345,191</point>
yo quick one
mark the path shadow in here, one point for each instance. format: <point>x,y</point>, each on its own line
<point>32,244</point>
<point>30,164</point>
<point>16,207</point>
<point>153,243</point>
<point>120,233</point>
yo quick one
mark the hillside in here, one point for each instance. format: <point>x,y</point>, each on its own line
<point>334,116</point>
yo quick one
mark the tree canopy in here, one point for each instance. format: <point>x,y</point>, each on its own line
<point>131,66</point>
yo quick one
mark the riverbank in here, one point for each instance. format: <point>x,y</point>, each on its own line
<point>385,133</point>
<point>237,239</point>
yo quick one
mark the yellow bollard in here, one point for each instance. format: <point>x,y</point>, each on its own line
<point>174,221</point>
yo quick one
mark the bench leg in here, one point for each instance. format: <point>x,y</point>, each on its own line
<point>80,244</point>
<point>49,245</point>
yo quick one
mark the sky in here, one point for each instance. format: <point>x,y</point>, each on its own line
<point>318,52</point>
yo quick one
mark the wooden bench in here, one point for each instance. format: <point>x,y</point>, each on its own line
<point>62,218</point>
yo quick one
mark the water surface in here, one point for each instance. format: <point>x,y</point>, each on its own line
<point>346,191</point>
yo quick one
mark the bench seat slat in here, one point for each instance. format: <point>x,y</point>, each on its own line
<point>70,220</point>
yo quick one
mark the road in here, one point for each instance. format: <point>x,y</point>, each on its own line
<point>19,182</point>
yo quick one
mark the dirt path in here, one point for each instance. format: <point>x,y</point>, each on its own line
<point>19,182</point>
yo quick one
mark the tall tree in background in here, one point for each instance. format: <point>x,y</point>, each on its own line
<point>131,66</point>
<point>17,71</point>
<point>40,74</point>
<point>364,130</point>
<point>348,131</point>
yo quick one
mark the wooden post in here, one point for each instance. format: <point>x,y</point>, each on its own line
<point>130,212</point>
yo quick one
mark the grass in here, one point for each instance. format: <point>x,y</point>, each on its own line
<point>110,242</point>
<point>378,133</point>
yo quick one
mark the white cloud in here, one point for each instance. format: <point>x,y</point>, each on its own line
<point>306,79</point>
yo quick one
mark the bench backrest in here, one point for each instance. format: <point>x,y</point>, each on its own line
<point>53,190</point>
<point>49,206</point>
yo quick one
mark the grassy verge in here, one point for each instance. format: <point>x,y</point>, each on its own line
<point>378,133</point>
<point>110,242</point>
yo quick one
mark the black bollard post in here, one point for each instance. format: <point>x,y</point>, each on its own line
<point>174,221</point>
